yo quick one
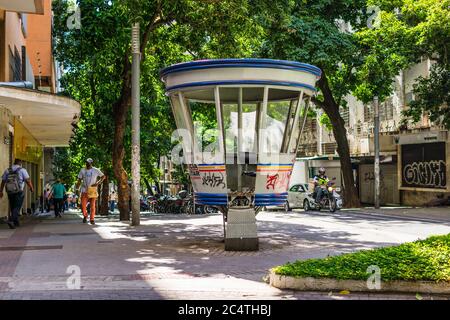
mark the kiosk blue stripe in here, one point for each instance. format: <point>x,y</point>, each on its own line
<point>239,63</point>
<point>212,199</point>
<point>242,82</point>
<point>270,199</point>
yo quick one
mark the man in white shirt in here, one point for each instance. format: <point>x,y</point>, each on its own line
<point>15,197</point>
<point>89,177</point>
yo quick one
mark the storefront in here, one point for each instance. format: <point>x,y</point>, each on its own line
<point>29,121</point>
<point>29,150</point>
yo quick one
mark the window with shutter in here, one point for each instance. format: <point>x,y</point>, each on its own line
<point>409,97</point>
<point>368,113</point>
<point>15,65</point>
<point>345,114</point>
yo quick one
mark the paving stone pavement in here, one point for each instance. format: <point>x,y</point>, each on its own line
<point>182,257</point>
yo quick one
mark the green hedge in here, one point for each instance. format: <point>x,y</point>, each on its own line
<point>427,259</point>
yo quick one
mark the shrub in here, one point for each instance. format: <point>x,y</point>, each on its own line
<point>427,259</point>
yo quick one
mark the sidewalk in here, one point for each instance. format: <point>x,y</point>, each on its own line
<point>441,214</point>
<point>177,256</point>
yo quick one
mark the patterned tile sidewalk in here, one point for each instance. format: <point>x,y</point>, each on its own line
<point>182,257</point>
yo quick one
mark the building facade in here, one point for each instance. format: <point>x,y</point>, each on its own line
<point>414,157</point>
<point>32,118</point>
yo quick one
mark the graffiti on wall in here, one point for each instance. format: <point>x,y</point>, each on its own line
<point>278,181</point>
<point>213,179</point>
<point>426,173</point>
<point>370,176</point>
<point>424,166</point>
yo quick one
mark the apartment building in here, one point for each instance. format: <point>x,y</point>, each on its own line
<point>32,116</point>
<point>415,157</point>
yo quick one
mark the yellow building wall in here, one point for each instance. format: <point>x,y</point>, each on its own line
<point>26,147</point>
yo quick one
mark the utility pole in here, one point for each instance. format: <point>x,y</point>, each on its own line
<point>376,141</point>
<point>164,175</point>
<point>135,127</point>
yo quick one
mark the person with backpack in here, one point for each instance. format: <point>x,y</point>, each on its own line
<point>13,181</point>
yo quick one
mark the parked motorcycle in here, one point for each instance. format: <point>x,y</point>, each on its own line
<point>144,205</point>
<point>169,204</point>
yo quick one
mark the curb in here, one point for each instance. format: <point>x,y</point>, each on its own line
<point>314,284</point>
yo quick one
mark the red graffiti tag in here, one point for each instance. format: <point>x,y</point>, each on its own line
<point>271,181</point>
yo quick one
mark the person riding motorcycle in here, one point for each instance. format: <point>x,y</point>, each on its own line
<point>320,180</point>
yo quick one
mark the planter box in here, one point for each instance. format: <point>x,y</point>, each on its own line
<point>324,284</point>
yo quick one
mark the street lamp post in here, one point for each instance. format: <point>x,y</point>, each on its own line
<point>135,126</point>
<point>376,141</point>
<point>164,175</point>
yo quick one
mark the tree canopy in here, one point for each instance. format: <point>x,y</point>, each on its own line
<point>97,62</point>
<point>410,30</point>
<point>319,32</point>
<point>356,55</point>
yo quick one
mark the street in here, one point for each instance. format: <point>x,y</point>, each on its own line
<point>182,257</point>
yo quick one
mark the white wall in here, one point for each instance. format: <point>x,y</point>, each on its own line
<point>299,172</point>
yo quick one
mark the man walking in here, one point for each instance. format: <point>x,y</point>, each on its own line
<point>90,177</point>
<point>58,191</point>
<point>14,180</point>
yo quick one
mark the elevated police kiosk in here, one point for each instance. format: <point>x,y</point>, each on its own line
<point>239,124</point>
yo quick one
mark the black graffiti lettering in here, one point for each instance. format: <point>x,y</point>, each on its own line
<point>368,176</point>
<point>214,179</point>
<point>427,174</point>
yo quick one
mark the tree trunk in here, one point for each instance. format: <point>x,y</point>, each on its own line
<point>121,108</point>
<point>331,108</point>
<point>104,204</point>
<point>120,120</point>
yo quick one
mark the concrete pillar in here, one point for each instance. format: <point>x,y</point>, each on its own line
<point>4,153</point>
<point>241,234</point>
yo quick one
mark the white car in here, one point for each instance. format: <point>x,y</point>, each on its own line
<point>297,195</point>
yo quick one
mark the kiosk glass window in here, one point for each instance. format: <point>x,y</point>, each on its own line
<point>204,120</point>
<point>278,118</point>
<point>239,109</point>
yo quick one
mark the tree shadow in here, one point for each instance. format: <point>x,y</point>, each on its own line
<point>198,250</point>
<point>191,247</point>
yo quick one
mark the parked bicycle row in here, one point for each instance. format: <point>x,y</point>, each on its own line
<point>183,202</point>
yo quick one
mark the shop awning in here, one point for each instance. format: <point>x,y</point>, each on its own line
<point>48,117</point>
<point>24,6</point>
